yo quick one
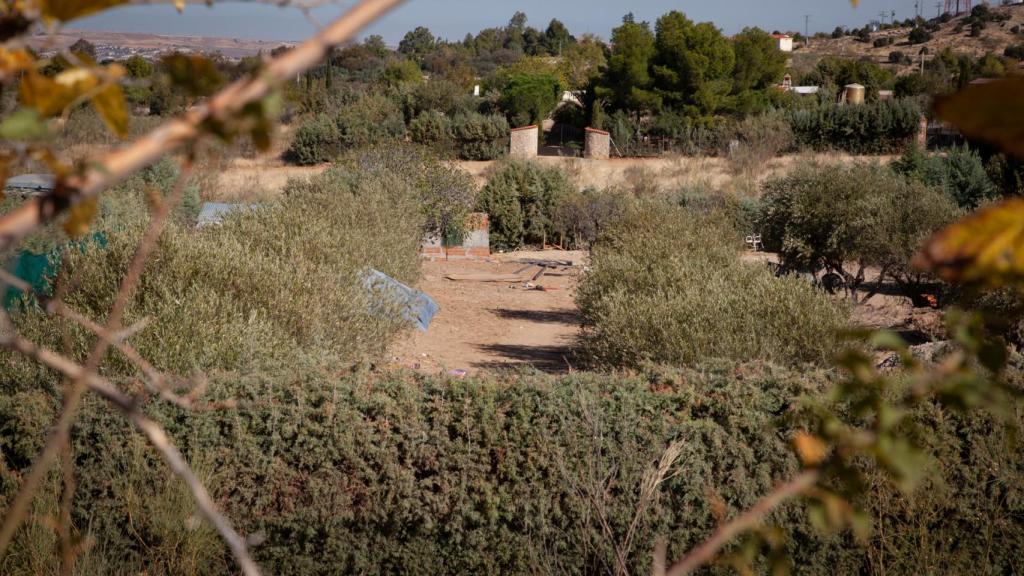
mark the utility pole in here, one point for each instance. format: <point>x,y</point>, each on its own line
<point>807,29</point>
<point>882,16</point>
<point>938,9</point>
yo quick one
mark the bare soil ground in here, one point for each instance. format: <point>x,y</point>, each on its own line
<point>485,326</point>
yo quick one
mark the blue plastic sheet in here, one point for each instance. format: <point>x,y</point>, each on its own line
<point>414,305</point>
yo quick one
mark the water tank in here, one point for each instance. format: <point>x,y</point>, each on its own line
<point>854,94</point>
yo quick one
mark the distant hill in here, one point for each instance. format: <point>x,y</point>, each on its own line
<point>995,38</point>
<point>118,45</point>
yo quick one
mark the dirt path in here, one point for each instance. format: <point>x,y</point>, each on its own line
<point>492,325</point>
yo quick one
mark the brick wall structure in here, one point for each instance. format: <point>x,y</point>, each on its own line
<point>476,244</point>
<point>523,143</point>
<point>598,144</point>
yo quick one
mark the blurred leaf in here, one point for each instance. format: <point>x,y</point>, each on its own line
<point>993,355</point>
<point>197,74</point>
<point>993,112</point>
<point>905,462</point>
<point>986,247</point>
<point>860,523</point>
<point>14,23</point>
<point>5,169</point>
<point>12,61</point>
<point>64,10</point>
<point>80,216</point>
<point>811,449</point>
<point>111,106</point>
<point>23,124</point>
<point>50,96</point>
<point>887,340</point>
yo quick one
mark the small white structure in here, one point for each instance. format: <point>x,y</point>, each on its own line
<point>784,42</point>
<point>476,90</point>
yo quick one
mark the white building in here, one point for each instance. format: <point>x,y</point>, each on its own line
<point>784,42</point>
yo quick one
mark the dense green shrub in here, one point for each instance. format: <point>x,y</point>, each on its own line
<point>276,285</point>
<point>364,120</point>
<point>960,172</point>
<point>845,219</point>
<point>668,286</point>
<point>479,136</point>
<point>473,136</point>
<point>446,193</point>
<point>431,128</point>
<point>372,119</point>
<point>530,98</point>
<point>394,474</point>
<point>520,199</point>
<point>440,95</point>
<point>401,72</point>
<point>874,128</point>
<point>919,35</point>
<point>582,215</point>
<point>316,140</point>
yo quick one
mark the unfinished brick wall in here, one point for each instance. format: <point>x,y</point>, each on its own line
<point>476,244</point>
<point>598,144</point>
<point>523,143</point>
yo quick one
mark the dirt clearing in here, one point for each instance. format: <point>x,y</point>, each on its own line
<point>493,325</point>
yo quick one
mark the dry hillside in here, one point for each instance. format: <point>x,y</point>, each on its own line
<point>996,37</point>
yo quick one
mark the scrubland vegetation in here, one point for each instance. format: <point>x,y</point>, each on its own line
<point>694,369</point>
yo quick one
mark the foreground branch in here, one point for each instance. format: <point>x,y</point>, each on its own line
<point>748,520</point>
<point>153,432</point>
<point>115,166</point>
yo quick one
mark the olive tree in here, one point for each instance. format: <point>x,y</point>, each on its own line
<point>852,220</point>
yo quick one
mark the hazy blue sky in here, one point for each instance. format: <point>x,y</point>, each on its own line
<point>454,18</point>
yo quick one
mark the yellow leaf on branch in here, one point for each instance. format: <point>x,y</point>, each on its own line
<point>64,10</point>
<point>111,106</point>
<point>50,96</point>
<point>992,112</point>
<point>986,247</point>
<point>811,449</point>
<point>80,216</point>
<point>13,61</point>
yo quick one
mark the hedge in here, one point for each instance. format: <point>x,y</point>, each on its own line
<point>883,127</point>
<point>667,286</point>
<point>385,474</point>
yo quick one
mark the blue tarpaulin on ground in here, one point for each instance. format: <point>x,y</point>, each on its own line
<point>38,270</point>
<point>414,305</point>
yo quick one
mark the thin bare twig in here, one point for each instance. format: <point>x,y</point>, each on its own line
<point>748,520</point>
<point>155,380</point>
<point>106,171</point>
<point>100,175</point>
<point>153,432</point>
<point>73,394</point>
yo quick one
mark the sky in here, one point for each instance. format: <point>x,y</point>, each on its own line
<point>452,19</point>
